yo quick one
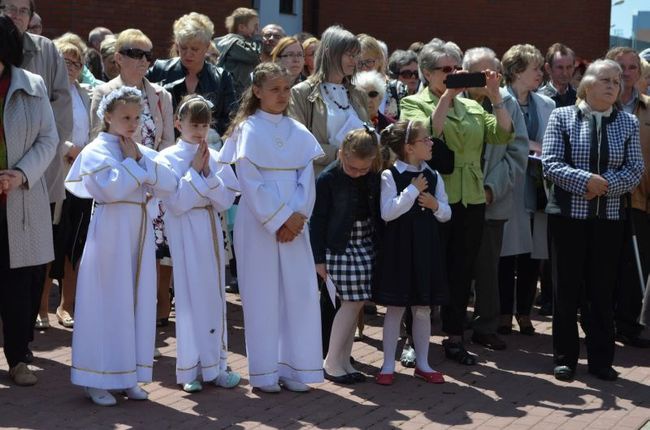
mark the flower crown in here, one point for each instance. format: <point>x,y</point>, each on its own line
<point>116,94</point>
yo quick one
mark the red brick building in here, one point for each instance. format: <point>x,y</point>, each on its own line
<point>583,25</point>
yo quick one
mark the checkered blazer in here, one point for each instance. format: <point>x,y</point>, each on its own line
<point>573,150</point>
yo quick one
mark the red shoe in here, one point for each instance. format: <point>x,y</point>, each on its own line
<point>431,377</point>
<point>384,378</point>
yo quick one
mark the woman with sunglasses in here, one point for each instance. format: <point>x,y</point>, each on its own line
<point>403,67</point>
<point>133,54</point>
<point>372,83</point>
<point>466,127</point>
<point>289,54</point>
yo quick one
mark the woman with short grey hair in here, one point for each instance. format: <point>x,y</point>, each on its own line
<point>465,127</point>
<point>374,85</point>
<point>592,155</point>
<point>403,67</point>
<point>327,103</point>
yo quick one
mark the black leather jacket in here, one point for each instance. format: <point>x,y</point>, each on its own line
<point>215,84</point>
<point>333,215</point>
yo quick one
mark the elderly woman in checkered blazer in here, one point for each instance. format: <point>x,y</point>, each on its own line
<point>592,156</point>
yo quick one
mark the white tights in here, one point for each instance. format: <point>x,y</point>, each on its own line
<point>337,362</point>
<point>421,335</point>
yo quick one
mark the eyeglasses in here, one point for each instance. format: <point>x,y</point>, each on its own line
<point>269,36</point>
<point>137,54</point>
<point>75,64</point>
<point>292,55</point>
<point>408,74</point>
<point>373,94</point>
<point>15,11</point>
<point>367,63</point>
<point>447,69</point>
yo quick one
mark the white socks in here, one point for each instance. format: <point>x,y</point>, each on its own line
<point>337,362</point>
<point>392,320</point>
<point>421,335</point>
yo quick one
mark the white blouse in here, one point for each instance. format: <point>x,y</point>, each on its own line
<point>394,205</point>
<point>339,121</point>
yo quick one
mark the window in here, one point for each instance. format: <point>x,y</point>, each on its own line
<point>286,7</point>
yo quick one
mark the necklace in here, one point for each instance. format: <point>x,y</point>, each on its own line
<point>334,101</point>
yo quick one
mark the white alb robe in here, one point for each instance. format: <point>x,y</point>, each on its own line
<point>115,313</point>
<point>273,155</point>
<point>197,247</point>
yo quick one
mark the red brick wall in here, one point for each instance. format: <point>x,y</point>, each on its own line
<point>154,17</point>
<point>583,25</point>
<point>498,24</point>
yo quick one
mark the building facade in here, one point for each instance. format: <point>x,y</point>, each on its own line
<point>583,25</point>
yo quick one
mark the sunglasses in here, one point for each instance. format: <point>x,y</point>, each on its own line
<point>447,69</point>
<point>137,54</point>
<point>408,74</point>
<point>373,94</point>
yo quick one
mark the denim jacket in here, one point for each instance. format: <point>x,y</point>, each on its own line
<point>333,216</point>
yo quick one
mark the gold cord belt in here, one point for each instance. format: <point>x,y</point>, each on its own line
<point>215,244</point>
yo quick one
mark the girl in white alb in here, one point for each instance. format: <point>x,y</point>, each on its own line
<point>277,278</point>
<point>195,238</point>
<point>113,338</point>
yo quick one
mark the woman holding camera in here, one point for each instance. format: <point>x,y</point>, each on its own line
<point>465,127</point>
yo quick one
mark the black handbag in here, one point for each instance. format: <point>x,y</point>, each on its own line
<point>442,158</point>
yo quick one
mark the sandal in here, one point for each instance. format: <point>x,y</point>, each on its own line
<point>457,352</point>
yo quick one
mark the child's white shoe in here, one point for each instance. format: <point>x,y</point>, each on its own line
<point>192,387</point>
<point>273,388</point>
<point>136,393</point>
<point>293,385</point>
<point>100,397</point>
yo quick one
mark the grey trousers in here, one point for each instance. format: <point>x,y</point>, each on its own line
<point>486,277</point>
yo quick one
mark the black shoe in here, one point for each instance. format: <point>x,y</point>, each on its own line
<point>635,341</point>
<point>357,376</point>
<point>346,379</point>
<point>457,352</point>
<point>29,356</point>
<point>162,322</point>
<point>546,309</point>
<point>491,341</point>
<point>563,373</point>
<point>232,288</point>
<point>605,373</point>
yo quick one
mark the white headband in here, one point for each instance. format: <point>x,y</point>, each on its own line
<point>193,98</point>
<point>408,131</point>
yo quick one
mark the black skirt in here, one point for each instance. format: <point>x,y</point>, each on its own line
<point>409,268</point>
<point>70,234</point>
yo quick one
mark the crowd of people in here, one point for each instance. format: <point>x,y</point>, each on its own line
<point>327,176</point>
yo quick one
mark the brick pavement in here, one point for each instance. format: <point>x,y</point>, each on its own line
<point>510,389</point>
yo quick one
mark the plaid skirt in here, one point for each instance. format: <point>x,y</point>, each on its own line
<point>351,271</point>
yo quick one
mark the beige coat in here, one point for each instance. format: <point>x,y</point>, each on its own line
<point>160,104</point>
<point>42,58</point>
<point>641,194</point>
<point>308,107</point>
<point>32,140</point>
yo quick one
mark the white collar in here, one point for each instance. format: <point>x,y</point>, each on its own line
<point>275,118</point>
<point>402,166</point>
<point>187,146</point>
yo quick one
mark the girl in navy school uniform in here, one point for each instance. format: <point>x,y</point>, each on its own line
<point>410,270</point>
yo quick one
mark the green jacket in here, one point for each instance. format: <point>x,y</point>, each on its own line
<point>467,126</point>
